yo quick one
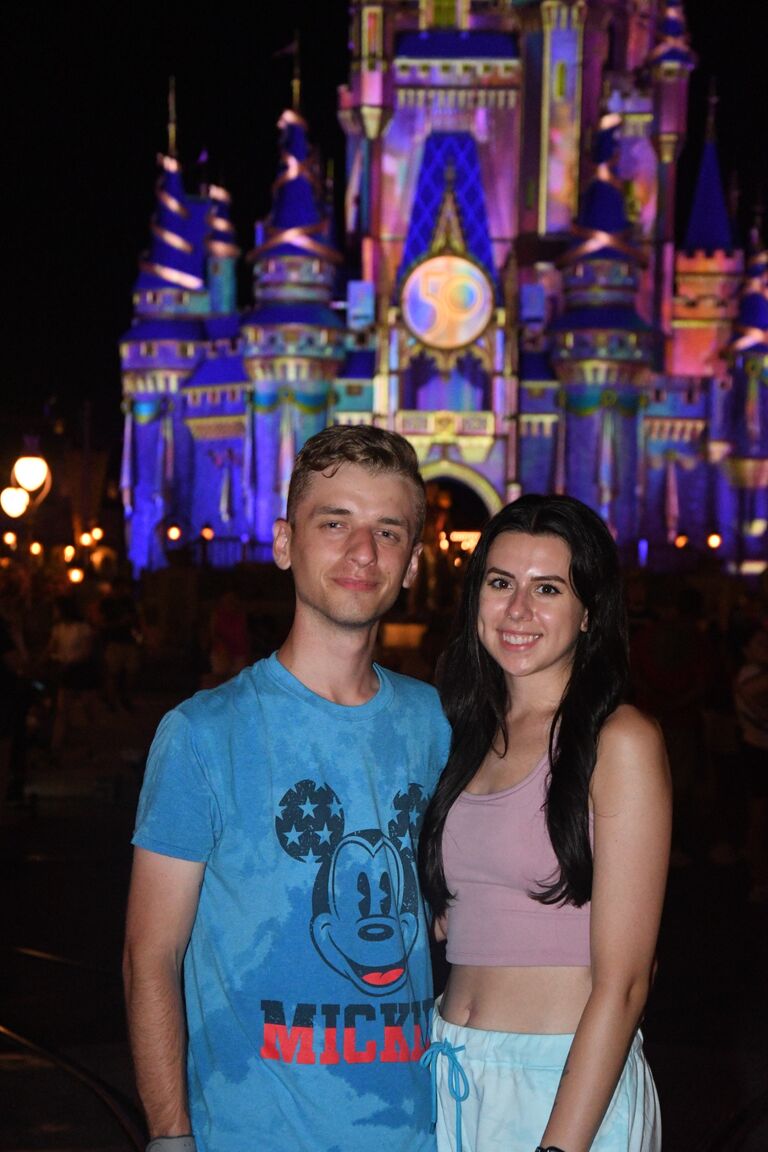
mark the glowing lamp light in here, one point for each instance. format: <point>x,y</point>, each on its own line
<point>36,548</point>
<point>69,553</point>
<point>10,539</point>
<point>714,540</point>
<point>97,533</point>
<point>681,540</point>
<point>444,544</point>
<point>173,532</point>
<point>75,575</point>
<point>14,502</point>
<point>207,532</point>
<point>31,472</point>
<point>86,539</point>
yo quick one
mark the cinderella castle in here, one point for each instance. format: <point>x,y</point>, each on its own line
<point>508,295</point>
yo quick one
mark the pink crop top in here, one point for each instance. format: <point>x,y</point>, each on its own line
<point>496,849</point>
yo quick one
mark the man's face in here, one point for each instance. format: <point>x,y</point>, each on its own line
<point>351,546</point>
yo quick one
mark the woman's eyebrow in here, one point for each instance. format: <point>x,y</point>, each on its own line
<point>503,572</point>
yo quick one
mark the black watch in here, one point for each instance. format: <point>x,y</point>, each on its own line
<point>549,1148</point>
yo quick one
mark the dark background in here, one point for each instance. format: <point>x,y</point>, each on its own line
<point>84,111</point>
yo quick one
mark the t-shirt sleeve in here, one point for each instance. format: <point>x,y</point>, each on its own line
<point>177,813</point>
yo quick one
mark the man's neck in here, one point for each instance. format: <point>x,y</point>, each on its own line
<point>336,664</point>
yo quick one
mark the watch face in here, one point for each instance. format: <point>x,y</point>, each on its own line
<point>447,302</point>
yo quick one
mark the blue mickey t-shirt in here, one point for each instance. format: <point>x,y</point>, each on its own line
<point>307,978</point>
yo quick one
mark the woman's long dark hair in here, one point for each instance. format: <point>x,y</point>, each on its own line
<point>474,695</point>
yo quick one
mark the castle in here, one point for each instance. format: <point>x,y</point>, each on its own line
<point>509,296</point>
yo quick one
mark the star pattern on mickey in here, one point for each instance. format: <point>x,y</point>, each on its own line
<point>309,821</point>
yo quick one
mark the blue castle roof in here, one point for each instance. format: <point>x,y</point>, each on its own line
<point>709,228</point>
<point>673,45</point>
<point>175,258</point>
<point>446,152</point>
<point>295,206</point>
<point>605,316</point>
<point>212,370</point>
<point>536,366</point>
<point>176,329</point>
<point>360,364</point>
<point>294,313</point>
<point>603,208</point>
<point>453,44</point>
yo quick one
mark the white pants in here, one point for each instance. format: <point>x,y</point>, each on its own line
<point>493,1092</point>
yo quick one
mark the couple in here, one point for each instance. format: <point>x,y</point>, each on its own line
<point>277,969</point>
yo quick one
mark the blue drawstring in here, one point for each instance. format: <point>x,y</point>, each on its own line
<point>458,1085</point>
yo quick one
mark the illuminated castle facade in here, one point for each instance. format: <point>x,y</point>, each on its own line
<point>508,295</point>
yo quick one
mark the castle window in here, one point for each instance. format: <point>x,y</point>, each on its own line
<point>444,14</point>
<point>560,77</point>
<point>147,349</point>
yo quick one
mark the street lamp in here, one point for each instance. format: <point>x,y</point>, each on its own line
<point>32,474</point>
<point>30,484</point>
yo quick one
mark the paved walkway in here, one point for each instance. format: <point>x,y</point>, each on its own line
<point>64,864</point>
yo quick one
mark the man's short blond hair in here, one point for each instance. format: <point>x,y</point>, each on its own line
<point>374,449</point>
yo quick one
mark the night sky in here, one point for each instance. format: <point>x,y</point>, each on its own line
<point>84,112</point>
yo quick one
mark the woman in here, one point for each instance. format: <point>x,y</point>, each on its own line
<point>544,850</point>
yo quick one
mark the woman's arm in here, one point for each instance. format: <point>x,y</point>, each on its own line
<point>161,911</point>
<point>631,796</point>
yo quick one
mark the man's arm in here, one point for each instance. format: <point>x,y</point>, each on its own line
<point>162,905</point>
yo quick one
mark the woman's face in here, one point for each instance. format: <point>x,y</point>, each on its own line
<point>529,617</point>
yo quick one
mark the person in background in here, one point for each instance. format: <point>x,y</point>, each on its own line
<point>545,849</point>
<point>71,652</point>
<point>120,644</point>
<point>276,957</point>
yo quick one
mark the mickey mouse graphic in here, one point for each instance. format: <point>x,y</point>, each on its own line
<point>365,898</point>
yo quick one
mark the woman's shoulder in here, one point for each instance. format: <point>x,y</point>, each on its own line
<point>631,743</point>
<point>630,723</point>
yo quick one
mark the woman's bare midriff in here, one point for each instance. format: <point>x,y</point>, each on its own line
<point>547,1001</point>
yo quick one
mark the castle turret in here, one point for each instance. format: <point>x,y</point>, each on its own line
<point>602,352</point>
<point>708,271</point>
<point>670,64</point>
<point>744,506</point>
<point>157,354</point>
<point>293,342</point>
<point>222,252</point>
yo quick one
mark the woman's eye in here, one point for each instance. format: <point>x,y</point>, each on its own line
<point>549,589</point>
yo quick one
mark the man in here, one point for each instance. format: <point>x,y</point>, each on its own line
<point>274,916</point>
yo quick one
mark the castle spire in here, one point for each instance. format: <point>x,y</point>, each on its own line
<point>709,227</point>
<point>673,48</point>
<point>296,225</point>
<point>172,117</point>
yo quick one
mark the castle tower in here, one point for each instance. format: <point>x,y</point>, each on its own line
<point>158,353</point>
<point>293,342</point>
<point>670,64</point>
<point>602,354</point>
<point>743,499</point>
<point>708,272</point>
